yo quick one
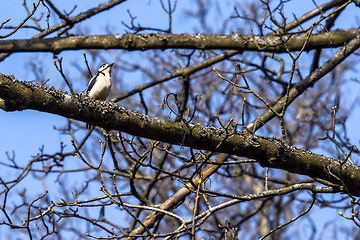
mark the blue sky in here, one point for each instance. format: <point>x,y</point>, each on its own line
<point>25,132</point>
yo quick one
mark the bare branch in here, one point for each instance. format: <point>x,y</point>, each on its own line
<point>294,42</point>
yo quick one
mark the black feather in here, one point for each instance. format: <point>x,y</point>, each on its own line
<point>91,83</point>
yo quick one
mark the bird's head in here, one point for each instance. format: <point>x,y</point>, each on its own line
<point>105,68</point>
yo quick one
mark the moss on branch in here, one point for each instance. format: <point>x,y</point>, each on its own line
<point>269,152</point>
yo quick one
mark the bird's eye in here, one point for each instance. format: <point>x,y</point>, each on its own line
<point>103,67</point>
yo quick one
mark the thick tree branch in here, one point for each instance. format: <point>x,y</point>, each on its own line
<point>293,42</point>
<point>270,152</point>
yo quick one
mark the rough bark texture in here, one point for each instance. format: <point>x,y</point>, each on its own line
<point>142,42</point>
<point>270,152</point>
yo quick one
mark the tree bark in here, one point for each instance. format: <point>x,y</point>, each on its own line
<point>271,43</point>
<point>269,152</point>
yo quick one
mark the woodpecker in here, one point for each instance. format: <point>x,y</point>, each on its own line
<point>100,84</point>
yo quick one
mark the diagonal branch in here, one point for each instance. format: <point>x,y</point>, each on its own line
<point>71,21</point>
<point>306,83</point>
<point>270,152</point>
<point>23,22</point>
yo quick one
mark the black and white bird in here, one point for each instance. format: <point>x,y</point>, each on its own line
<point>100,84</point>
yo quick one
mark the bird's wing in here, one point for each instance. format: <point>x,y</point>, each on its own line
<point>91,83</point>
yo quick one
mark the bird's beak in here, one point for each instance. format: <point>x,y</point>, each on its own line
<point>111,64</point>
